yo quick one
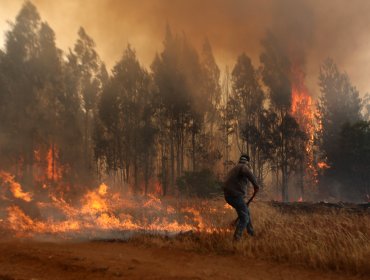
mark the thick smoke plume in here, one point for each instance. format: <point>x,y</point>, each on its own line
<point>313,30</point>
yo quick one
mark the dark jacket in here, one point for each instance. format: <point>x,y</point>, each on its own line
<point>237,179</point>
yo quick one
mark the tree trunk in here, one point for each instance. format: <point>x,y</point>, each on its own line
<point>277,179</point>
<point>136,187</point>
<point>86,140</point>
<point>146,176</point>
<point>193,150</point>
<point>178,155</point>
<point>284,187</point>
<point>182,154</point>
<point>164,171</point>
<point>172,175</point>
<point>301,178</point>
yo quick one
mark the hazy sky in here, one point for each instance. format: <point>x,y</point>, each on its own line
<point>309,29</point>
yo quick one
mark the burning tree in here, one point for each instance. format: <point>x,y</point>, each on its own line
<point>153,127</point>
<point>288,137</point>
<point>303,111</point>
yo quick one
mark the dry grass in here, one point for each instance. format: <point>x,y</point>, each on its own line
<point>334,239</point>
<point>331,239</point>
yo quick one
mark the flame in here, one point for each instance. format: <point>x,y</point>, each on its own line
<point>197,217</point>
<point>323,165</point>
<point>300,199</point>
<point>15,187</point>
<point>97,210</point>
<point>158,188</point>
<point>303,108</point>
<point>54,171</point>
<point>153,202</point>
<point>304,111</point>
<point>18,220</point>
<point>227,206</point>
<point>170,210</point>
<point>47,167</point>
<point>37,155</point>
<point>103,189</point>
<point>94,202</point>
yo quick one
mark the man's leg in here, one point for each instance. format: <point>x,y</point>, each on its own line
<point>250,229</point>
<point>243,214</point>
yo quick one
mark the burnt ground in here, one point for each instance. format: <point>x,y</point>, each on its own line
<point>117,260</point>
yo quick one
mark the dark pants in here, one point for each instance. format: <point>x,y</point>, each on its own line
<point>244,219</point>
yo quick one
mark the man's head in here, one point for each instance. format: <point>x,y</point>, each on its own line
<point>244,158</point>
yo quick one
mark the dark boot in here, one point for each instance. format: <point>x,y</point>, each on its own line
<point>238,234</point>
<point>250,229</point>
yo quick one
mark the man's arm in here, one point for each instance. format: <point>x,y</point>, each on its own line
<point>254,183</point>
<point>256,189</point>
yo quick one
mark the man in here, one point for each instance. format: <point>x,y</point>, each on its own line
<point>235,188</point>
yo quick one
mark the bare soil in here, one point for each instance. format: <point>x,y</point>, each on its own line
<point>116,260</point>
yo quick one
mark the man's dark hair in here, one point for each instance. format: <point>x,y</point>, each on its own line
<point>244,158</point>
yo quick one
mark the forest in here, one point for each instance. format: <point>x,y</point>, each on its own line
<point>177,127</point>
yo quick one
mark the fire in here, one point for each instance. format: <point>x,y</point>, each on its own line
<point>303,110</point>
<point>18,220</point>
<point>153,202</point>
<point>99,210</point>
<point>323,165</point>
<point>300,199</point>
<point>94,202</point>
<point>46,166</point>
<point>48,211</point>
<point>301,104</point>
<point>54,171</point>
<point>15,187</point>
<point>170,210</point>
<point>103,189</point>
<point>158,188</point>
<point>302,107</point>
<point>37,155</point>
<point>197,217</point>
<point>227,206</point>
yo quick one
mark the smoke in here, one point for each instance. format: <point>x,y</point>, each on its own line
<point>294,30</point>
<point>312,29</point>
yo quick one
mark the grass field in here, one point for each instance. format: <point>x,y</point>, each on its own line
<point>325,238</point>
<point>333,239</point>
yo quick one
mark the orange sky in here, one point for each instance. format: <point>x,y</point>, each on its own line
<point>339,29</point>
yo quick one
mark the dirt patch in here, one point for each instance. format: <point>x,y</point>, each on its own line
<point>112,260</point>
